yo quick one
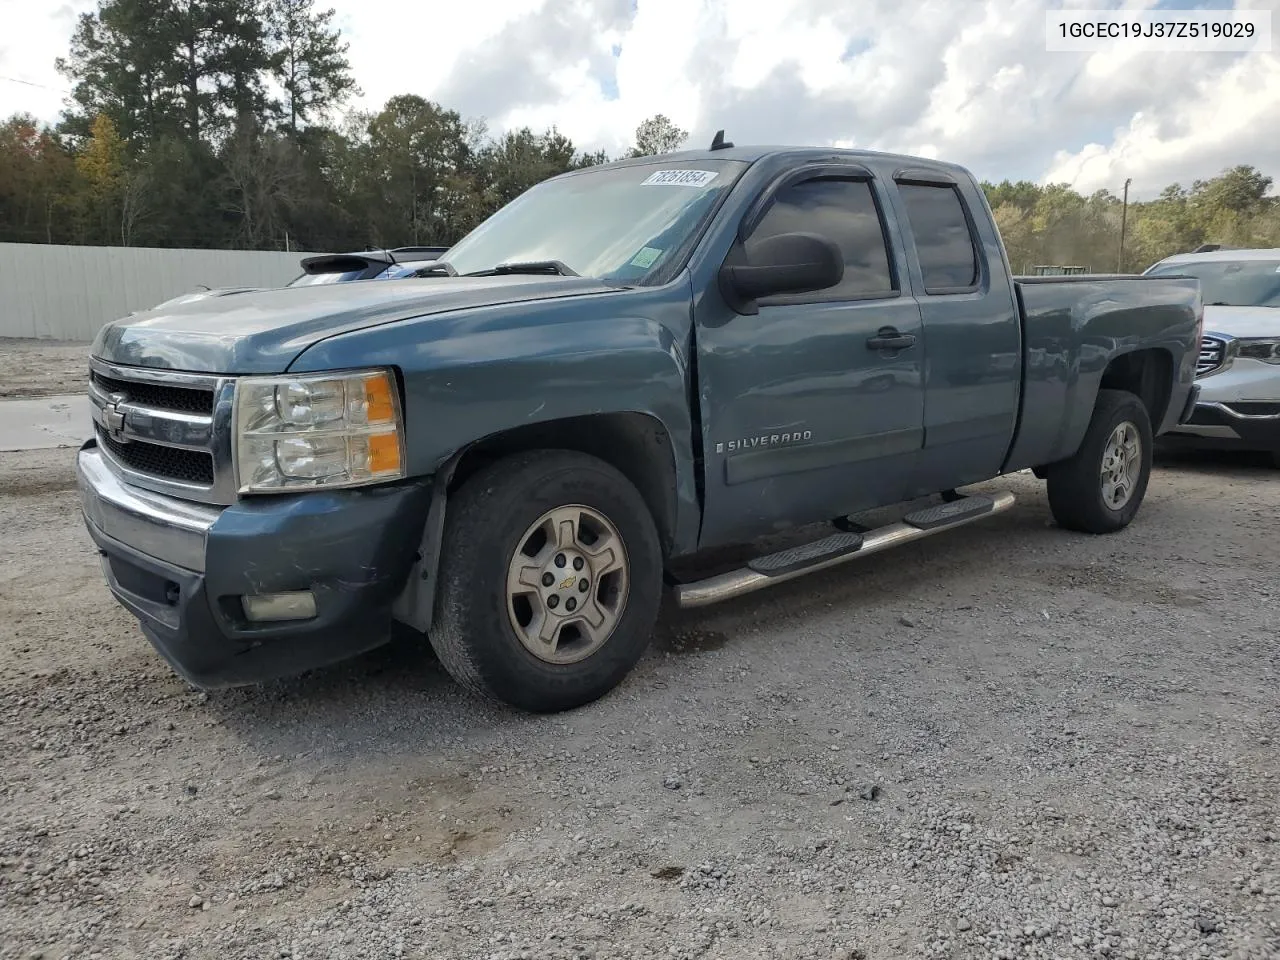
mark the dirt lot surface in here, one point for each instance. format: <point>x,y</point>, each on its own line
<point>42,368</point>
<point>1003,742</point>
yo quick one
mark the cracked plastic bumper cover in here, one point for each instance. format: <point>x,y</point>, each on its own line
<point>182,568</point>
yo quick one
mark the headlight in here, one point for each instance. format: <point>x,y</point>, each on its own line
<point>317,430</point>
<point>1267,350</point>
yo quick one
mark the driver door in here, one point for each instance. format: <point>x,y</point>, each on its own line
<point>806,413</point>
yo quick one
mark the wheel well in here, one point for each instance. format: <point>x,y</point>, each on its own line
<point>636,444</point>
<point>1148,374</point>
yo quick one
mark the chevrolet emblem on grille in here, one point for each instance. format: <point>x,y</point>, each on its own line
<point>113,419</point>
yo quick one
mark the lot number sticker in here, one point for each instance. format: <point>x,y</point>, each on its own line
<point>681,178</point>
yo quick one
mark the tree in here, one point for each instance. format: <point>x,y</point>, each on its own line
<point>221,58</point>
<point>309,59</point>
<point>518,159</point>
<point>186,192</point>
<point>238,61</point>
<point>101,162</point>
<point>113,199</point>
<point>36,180</point>
<point>121,64</point>
<point>263,172</point>
<point>595,158</point>
<point>167,67</point>
<point>1240,190</point>
<point>413,148</point>
<point>209,123</point>
<point>1024,194</point>
<point>1015,231</point>
<point>657,135</point>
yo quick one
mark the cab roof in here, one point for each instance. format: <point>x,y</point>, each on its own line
<point>752,154</point>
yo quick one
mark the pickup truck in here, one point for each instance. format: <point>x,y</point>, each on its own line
<point>626,367</point>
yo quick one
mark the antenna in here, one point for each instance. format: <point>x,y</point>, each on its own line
<point>718,142</point>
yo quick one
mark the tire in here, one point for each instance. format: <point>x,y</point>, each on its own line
<point>1077,487</point>
<point>1275,459</point>
<point>488,613</point>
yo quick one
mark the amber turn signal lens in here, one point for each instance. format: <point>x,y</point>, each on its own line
<point>377,395</point>
<point>384,453</point>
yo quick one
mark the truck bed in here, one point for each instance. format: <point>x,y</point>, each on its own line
<point>1072,327</point>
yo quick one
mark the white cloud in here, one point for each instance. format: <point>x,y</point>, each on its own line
<point>970,82</point>
<point>31,39</point>
<point>1228,118</point>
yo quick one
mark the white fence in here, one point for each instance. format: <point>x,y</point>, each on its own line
<point>68,293</point>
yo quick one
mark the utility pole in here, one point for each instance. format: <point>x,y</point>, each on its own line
<point>1124,214</point>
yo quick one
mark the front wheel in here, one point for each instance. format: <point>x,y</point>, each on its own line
<point>551,577</point>
<point>1101,487</point>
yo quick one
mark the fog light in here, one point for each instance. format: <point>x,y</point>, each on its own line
<point>295,605</point>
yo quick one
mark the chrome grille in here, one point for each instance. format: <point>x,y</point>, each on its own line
<point>158,395</point>
<point>165,431</point>
<point>1213,353</point>
<point>171,463</point>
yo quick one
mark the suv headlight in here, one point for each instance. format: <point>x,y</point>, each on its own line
<point>1265,349</point>
<point>317,430</point>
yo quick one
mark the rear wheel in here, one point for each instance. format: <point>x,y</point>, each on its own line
<point>1101,487</point>
<point>551,577</point>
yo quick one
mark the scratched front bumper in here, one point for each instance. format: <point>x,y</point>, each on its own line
<point>353,549</point>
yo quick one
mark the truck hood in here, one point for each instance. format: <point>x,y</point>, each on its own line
<point>263,331</point>
<point>1242,321</point>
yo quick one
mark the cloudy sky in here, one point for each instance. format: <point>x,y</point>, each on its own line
<point>965,80</point>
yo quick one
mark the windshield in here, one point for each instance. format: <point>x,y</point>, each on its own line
<point>311,279</point>
<point>1230,283</point>
<point>398,270</point>
<point>621,224</point>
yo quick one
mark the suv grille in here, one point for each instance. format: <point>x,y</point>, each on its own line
<point>1213,352</point>
<point>165,431</point>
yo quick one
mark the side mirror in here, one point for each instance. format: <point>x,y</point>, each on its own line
<point>783,263</point>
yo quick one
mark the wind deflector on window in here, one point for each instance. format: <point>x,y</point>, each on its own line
<point>930,176</point>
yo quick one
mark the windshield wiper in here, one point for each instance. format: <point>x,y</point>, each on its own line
<point>526,266</point>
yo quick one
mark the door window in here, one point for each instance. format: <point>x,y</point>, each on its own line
<point>845,212</point>
<point>944,243</point>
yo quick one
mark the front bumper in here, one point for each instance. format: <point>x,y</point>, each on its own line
<point>182,569</point>
<point>1237,407</point>
<point>1240,426</point>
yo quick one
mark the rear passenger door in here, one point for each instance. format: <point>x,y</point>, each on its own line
<point>813,407</point>
<point>971,325</point>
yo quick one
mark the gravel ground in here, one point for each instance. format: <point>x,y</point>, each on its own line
<point>1004,742</point>
<point>42,368</point>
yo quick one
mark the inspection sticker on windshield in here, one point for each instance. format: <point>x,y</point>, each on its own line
<point>645,258</point>
<point>681,178</point>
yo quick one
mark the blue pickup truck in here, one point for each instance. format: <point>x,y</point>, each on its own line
<point>516,453</point>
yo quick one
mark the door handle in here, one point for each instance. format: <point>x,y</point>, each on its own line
<point>888,338</point>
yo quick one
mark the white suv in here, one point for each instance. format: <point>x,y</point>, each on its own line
<point>1239,368</point>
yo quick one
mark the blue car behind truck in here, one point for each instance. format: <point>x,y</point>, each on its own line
<point>627,366</point>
